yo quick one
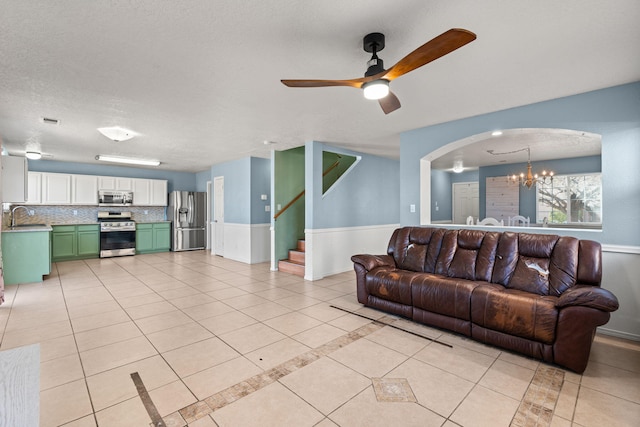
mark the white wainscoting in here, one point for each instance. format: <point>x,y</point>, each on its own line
<point>620,275</point>
<point>248,243</point>
<point>329,250</point>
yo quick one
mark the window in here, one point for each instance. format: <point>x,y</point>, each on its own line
<point>570,199</point>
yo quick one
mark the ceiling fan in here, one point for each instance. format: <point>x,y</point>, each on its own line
<point>375,82</point>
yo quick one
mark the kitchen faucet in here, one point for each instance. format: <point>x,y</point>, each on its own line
<point>13,214</point>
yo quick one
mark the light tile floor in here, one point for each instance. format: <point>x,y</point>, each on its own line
<point>221,343</point>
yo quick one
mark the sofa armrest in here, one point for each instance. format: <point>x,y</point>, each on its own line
<point>588,296</point>
<point>369,262</point>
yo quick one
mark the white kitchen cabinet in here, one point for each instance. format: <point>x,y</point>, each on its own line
<point>141,191</point>
<point>114,183</point>
<point>14,179</point>
<point>106,183</point>
<point>149,192</point>
<point>84,190</point>
<point>56,189</point>
<point>124,184</point>
<point>34,191</point>
<point>158,192</point>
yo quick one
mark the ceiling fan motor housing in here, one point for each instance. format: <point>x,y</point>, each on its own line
<point>374,43</point>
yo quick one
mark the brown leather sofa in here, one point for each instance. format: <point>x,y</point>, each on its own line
<point>536,294</point>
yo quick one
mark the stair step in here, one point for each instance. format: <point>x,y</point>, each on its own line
<point>301,245</point>
<point>296,256</point>
<point>288,266</point>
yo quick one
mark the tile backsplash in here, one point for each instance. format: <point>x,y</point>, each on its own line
<point>52,215</point>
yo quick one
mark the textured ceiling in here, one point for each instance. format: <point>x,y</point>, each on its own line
<point>200,80</point>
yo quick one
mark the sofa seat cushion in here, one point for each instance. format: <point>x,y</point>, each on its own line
<point>391,284</point>
<point>443,295</point>
<point>515,312</point>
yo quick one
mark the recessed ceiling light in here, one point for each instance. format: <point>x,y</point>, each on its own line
<point>33,155</point>
<point>267,142</point>
<point>117,133</point>
<point>127,160</point>
<point>496,133</point>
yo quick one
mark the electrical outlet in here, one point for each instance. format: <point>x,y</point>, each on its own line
<point>263,197</point>
<point>31,212</point>
<point>279,206</point>
<point>146,212</point>
<point>412,208</point>
<point>267,208</point>
<point>75,212</point>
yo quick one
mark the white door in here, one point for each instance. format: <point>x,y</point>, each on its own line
<point>218,215</point>
<point>466,201</point>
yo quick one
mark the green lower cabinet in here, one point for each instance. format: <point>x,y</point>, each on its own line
<point>88,241</point>
<point>69,242</point>
<point>153,237</point>
<point>25,256</point>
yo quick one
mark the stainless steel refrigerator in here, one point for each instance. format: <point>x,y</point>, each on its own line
<point>188,215</point>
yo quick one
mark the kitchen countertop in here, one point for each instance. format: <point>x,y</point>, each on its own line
<point>20,228</point>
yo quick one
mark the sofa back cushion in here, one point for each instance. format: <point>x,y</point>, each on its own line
<point>538,263</point>
<point>416,248</point>
<point>468,254</point>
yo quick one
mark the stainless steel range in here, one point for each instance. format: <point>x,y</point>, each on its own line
<point>117,234</point>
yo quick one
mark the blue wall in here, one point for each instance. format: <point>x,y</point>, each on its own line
<point>368,194</point>
<point>441,194</point>
<point>613,113</point>
<point>260,184</point>
<point>201,180</point>
<point>244,181</point>
<point>176,180</point>
<point>237,190</point>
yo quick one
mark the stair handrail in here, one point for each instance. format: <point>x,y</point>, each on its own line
<point>295,199</point>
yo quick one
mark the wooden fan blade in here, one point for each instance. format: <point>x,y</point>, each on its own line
<point>443,44</point>
<point>389,103</point>
<point>323,83</point>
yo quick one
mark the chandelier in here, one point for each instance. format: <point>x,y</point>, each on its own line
<point>527,179</point>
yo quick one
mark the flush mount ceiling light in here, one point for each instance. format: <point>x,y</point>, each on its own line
<point>117,133</point>
<point>33,155</point>
<point>496,133</point>
<point>457,166</point>
<point>126,160</point>
<point>376,89</point>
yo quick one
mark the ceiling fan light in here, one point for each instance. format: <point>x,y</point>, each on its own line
<point>376,89</point>
<point>33,155</point>
<point>128,161</point>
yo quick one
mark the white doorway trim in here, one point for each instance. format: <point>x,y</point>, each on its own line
<point>209,231</point>
<point>217,247</point>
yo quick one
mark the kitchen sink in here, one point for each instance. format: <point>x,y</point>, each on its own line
<point>29,225</point>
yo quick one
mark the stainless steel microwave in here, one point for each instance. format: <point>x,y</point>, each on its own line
<point>115,198</point>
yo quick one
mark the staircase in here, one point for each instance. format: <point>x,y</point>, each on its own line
<point>295,263</point>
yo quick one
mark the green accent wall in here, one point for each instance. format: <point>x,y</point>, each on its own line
<point>329,159</point>
<point>289,182</point>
